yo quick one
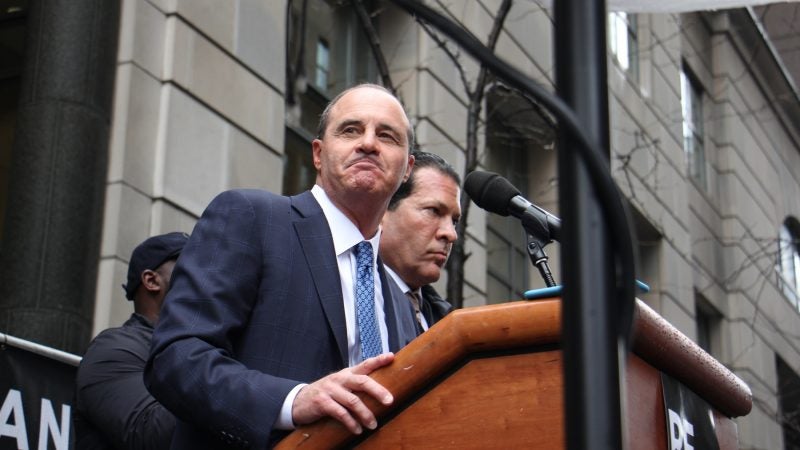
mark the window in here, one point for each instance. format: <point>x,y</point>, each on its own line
<point>623,41</point>
<point>789,261</point>
<point>789,405</point>
<point>297,161</point>
<point>516,134</point>
<point>326,53</point>
<point>693,134</point>
<point>507,262</point>
<point>649,241</point>
<point>323,65</point>
<point>708,322</point>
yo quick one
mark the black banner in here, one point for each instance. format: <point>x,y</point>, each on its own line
<point>690,423</point>
<point>36,393</point>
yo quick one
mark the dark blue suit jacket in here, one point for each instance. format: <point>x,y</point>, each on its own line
<point>255,307</point>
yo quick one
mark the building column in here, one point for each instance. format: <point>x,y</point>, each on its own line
<point>50,246</point>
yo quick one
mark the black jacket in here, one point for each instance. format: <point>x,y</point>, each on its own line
<point>433,307</point>
<point>113,409</point>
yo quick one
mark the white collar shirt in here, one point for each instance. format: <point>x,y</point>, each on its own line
<point>345,236</point>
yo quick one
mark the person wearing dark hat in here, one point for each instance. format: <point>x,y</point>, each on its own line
<point>113,408</point>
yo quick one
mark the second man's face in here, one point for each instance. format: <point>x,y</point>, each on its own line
<point>418,234</point>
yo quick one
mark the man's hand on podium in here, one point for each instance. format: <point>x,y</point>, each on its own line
<point>334,396</point>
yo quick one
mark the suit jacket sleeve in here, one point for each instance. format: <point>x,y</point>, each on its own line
<point>194,368</point>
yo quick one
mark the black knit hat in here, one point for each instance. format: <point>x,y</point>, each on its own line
<point>150,254</point>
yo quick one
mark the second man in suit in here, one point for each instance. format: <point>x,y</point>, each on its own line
<point>419,229</point>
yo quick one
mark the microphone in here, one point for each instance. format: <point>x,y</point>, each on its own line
<point>495,194</point>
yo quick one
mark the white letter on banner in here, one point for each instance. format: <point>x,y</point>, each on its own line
<point>13,404</point>
<point>48,422</point>
<point>675,430</point>
<point>688,430</point>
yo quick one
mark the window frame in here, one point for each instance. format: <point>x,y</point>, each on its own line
<point>692,96</point>
<point>623,41</point>
<point>788,261</point>
<point>322,68</point>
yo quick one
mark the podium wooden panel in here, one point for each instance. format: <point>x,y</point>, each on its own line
<point>491,377</point>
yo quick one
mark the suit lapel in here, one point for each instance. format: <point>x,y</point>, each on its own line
<point>427,310</point>
<point>400,322</point>
<point>435,306</point>
<point>317,245</point>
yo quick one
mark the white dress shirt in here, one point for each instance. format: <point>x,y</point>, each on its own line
<point>345,236</point>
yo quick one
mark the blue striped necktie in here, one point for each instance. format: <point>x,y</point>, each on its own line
<point>365,302</point>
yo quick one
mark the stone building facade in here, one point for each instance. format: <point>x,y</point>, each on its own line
<point>705,145</point>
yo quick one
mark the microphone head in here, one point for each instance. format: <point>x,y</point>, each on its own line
<point>490,191</point>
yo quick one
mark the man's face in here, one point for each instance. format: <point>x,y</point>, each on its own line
<point>365,146</point>
<point>418,234</point>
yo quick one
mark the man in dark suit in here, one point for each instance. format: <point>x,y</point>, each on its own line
<point>262,328</point>
<point>419,229</point>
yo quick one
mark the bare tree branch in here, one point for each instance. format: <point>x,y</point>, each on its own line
<point>454,56</point>
<point>458,256</point>
<point>374,43</point>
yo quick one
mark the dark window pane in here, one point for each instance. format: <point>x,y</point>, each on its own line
<point>299,172</point>
<point>789,398</point>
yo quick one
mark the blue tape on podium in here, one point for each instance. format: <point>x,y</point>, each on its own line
<point>555,291</point>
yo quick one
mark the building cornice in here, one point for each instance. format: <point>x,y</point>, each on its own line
<point>750,38</point>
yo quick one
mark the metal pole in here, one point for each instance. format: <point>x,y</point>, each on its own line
<point>39,349</point>
<point>591,349</point>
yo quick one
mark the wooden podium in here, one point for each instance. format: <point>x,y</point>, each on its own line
<point>491,377</point>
